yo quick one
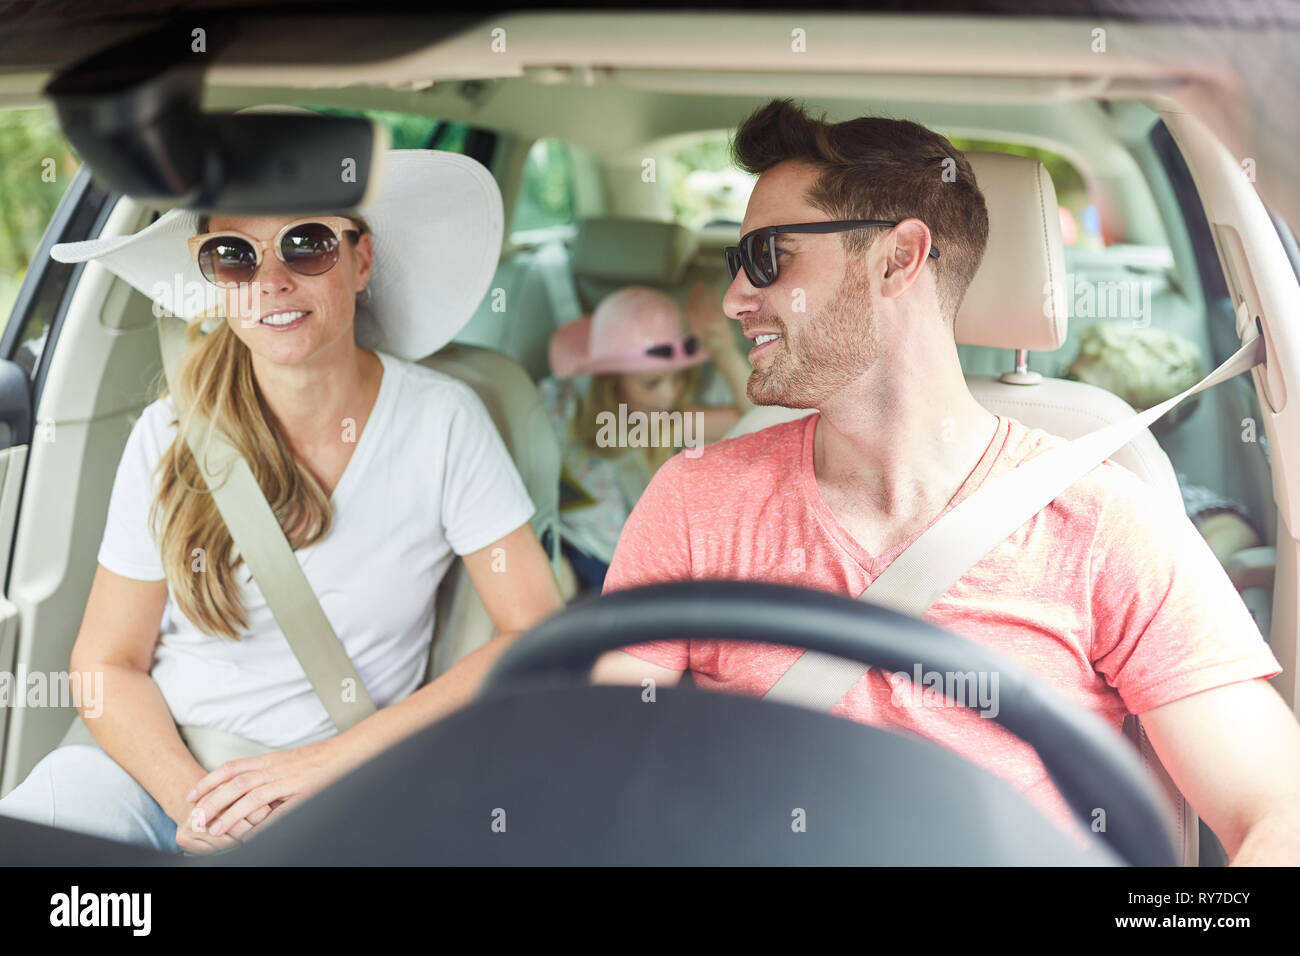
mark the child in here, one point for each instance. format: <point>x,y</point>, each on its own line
<point>627,364</point>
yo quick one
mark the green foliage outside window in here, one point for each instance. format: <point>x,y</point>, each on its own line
<point>405,130</point>
<point>701,184</point>
<point>36,166</point>
<point>546,191</point>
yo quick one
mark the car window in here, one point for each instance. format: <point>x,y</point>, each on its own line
<point>36,166</point>
<point>1112,276</point>
<point>702,186</point>
<point>405,130</point>
<point>415,131</point>
<point>546,191</point>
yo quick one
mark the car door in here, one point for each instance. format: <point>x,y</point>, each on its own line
<point>36,672</point>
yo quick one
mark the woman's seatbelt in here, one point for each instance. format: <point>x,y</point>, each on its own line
<point>267,553</point>
<point>950,547</point>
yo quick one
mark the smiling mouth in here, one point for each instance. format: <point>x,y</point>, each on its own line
<point>762,341</point>
<point>281,319</point>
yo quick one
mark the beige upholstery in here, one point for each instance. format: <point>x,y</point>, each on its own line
<point>516,408</point>
<point>538,289</point>
<point>612,253</point>
<point>518,315</point>
<point>1017,301</point>
<point>1019,293</point>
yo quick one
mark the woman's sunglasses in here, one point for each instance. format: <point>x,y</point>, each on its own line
<point>309,247</point>
<point>756,253</point>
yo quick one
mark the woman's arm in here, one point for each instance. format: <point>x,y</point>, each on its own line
<point>117,639</point>
<point>513,578</point>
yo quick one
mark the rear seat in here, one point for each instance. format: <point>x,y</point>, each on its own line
<point>517,316</point>
<point>539,289</point>
<point>462,623</point>
<point>610,254</point>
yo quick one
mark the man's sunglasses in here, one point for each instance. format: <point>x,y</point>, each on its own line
<point>756,253</point>
<point>309,247</point>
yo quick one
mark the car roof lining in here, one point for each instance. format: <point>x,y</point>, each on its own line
<point>601,57</point>
<point>638,123</point>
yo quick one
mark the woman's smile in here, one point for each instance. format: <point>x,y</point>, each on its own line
<point>283,320</point>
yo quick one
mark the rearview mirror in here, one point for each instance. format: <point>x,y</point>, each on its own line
<point>136,122</point>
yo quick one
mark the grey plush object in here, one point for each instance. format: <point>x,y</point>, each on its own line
<point>1143,366</point>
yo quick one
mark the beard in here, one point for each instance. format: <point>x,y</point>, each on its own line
<point>830,349</point>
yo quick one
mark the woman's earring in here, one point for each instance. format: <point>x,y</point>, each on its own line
<point>363,297</point>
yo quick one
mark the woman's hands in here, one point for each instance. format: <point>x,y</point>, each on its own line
<point>225,806</point>
<point>233,799</point>
<point>192,834</point>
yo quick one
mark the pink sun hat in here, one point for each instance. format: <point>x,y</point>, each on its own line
<point>632,330</point>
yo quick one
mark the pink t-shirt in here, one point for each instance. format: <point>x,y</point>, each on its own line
<point>1109,594</point>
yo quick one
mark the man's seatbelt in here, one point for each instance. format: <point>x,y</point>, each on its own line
<point>267,553</point>
<point>950,547</point>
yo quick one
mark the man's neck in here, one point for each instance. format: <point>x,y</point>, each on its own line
<point>898,444</point>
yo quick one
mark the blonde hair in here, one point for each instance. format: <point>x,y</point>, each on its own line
<point>215,383</point>
<point>602,395</point>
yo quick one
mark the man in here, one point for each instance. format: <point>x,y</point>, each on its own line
<point>1108,593</point>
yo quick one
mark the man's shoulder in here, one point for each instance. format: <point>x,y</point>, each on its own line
<point>766,452</point>
<point>1108,486</point>
<point>731,473</point>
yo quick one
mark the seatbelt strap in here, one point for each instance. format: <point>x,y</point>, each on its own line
<point>950,547</point>
<point>267,553</point>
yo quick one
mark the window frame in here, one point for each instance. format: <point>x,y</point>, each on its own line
<point>80,215</point>
<point>563,231</point>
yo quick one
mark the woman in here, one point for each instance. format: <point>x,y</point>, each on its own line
<point>641,364</point>
<point>379,470</point>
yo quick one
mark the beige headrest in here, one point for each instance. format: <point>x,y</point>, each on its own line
<point>632,251</point>
<point>1017,299</point>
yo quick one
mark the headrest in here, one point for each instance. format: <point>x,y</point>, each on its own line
<point>632,251</point>
<point>1018,298</point>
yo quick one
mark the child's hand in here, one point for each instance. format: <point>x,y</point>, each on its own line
<point>704,316</point>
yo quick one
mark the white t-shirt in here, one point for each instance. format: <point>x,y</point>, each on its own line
<point>429,479</point>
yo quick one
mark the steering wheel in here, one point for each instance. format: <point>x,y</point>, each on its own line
<point>544,767</point>
<point>1091,765</point>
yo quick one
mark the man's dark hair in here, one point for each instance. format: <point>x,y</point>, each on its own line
<point>876,168</point>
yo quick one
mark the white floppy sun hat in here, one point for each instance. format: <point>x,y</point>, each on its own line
<point>436,225</point>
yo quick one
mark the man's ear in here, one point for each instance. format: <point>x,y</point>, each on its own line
<point>907,248</point>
